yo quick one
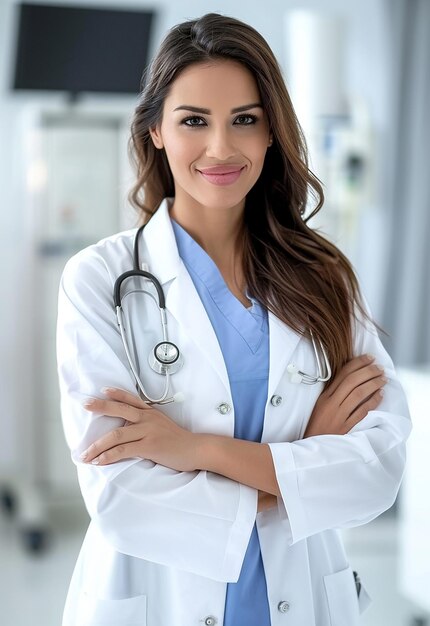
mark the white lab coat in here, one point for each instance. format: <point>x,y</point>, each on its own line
<point>162,544</point>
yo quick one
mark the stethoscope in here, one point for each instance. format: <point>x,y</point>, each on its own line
<point>166,359</point>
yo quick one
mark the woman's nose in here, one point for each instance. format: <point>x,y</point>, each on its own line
<point>220,145</point>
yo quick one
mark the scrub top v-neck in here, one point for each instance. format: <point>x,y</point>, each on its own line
<point>243,336</point>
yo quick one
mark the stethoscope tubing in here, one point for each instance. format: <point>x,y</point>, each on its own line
<point>146,397</point>
<point>141,274</point>
<point>137,272</point>
<point>298,376</point>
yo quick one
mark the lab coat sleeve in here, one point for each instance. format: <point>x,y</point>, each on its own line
<point>340,481</point>
<point>197,521</point>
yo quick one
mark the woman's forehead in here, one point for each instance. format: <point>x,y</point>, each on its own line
<point>215,83</point>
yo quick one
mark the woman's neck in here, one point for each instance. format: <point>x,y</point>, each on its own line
<point>220,233</point>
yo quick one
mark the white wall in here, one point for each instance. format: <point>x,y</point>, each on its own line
<point>367,71</point>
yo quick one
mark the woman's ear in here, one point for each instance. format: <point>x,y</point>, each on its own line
<point>156,137</point>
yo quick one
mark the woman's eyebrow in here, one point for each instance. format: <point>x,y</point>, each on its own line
<point>245,107</point>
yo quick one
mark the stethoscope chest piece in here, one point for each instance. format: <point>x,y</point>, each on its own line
<point>165,358</point>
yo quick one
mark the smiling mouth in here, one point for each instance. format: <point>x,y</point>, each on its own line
<point>217,178</point>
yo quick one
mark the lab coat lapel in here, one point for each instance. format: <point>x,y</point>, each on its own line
<point>158,245</point>
<point>184,303</point>
<point>283,341</point>
<point>182,298</point>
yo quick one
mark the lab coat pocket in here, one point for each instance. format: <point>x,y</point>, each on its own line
<point>93,611</point>
<point>342,598</point>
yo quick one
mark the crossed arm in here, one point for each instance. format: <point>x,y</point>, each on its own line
<point>150,434</point>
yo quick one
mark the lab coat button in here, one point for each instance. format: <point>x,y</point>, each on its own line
<point>210,620</point>
<point>224,408</point>
<point>276,400</point>
<point>283,606</point>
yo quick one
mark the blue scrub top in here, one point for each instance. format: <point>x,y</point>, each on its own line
<point>243,336</point>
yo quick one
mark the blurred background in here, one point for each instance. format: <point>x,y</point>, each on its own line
<point>359,77</point>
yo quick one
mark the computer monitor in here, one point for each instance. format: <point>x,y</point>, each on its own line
<point>77,49</point>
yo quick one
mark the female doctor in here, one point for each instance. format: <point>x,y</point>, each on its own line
<point>221,502</point>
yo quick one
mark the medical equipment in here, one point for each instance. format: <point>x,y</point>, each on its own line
<point>165,357</point>
<point>298,376</point>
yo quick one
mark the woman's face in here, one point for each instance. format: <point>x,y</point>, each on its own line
<point>219,136</point>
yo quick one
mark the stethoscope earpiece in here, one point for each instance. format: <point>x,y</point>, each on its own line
<point>297,376</point>
<point>179,396</point>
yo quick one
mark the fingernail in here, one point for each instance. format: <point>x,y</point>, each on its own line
<point>381,392</point>
<point>88,402</point>
<point>83,456</point>
<point>95,462</point>
<point>381,367</point>
<point>107,389</point>
<point>384,379</point>
<point>371,357</point>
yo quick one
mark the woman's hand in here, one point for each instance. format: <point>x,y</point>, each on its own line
<point>148,434</point>
<point>355,391</point>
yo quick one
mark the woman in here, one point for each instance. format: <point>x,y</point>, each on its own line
<point>222,508</point>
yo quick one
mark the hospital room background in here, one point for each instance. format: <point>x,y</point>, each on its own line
<point>359,77</point>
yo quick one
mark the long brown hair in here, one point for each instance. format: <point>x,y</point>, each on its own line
<point>295,272</point>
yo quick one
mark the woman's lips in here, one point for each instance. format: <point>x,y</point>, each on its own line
<point>222,179</point>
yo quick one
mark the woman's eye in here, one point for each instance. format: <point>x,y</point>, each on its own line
<point>190,119</point>
<point>253,119</point>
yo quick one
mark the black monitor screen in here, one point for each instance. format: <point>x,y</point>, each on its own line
<point>81,49</point>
